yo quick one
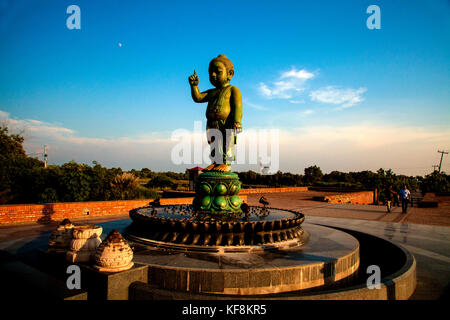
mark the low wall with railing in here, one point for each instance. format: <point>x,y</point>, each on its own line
<point>47,212</point>
<point>362,197</point>
<point>272,190</point>
<point>190,194</point>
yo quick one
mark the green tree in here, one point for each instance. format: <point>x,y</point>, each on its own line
<point>160,181</point>
<point>435,182</point>
<point>75,183</point>
<point>147,173</point>
<point>312,175</point>
<point>124,186</point>
<point>11,145</point>
<point>49,195</point>
<point>18,180</point>
<point>100,182</point>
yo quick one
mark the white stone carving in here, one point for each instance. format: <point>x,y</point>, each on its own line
<point>60,238</point>
<point>113,254</point>
<point>85,240</point>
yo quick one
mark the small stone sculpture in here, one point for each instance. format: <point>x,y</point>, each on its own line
<point>85,240</point>
<point>113,254</point>
<point>60,238</point>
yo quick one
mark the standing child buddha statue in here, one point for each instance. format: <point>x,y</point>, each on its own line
<point>223,113</point>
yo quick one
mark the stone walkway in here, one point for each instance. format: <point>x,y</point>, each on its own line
<point>424,232</point>
<point>303,202</point>
<point>430,246</point>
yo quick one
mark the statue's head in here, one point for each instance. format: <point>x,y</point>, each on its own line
<point>221,71</point>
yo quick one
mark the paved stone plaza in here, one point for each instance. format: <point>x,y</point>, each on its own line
<point>304,202</point>
<point>424,232</point>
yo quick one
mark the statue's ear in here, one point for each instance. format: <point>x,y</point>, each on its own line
<point>230,74</point>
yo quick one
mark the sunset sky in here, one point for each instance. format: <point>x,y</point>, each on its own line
<point>343,97</point>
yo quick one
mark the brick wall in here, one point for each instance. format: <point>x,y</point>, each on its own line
<point>429,201</point>
<point>190,194</point>
<point>272,190</point>
<point>362,197</point>
<point>23,213</point>
<point>44,213</point>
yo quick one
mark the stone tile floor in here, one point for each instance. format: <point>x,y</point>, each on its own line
<point>430,246</point>
<point>303,201</point>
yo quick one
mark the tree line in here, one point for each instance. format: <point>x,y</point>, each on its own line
<point>363,180</point>
<point>24,179</point>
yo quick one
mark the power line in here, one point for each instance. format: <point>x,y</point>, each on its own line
<point>442,156</point>
<point>45,154</point>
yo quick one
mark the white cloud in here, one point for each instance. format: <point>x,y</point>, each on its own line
<point>407,150</point>
<point>292,83</point>
<point>264,89</point>
<point>280,89</point>
<point>255,106</point>
<point>344,97</point>
<point>3,114</point>
<point>307,112</point>
<point>34,127</point>
<point>299,74</point>
<point>288,85</point>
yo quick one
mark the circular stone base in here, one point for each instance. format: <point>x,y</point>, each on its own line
<point>297,237</point>
<point>114,269</point>
<point>329,256</point>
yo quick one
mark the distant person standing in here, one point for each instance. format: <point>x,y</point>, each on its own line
<point>396,199</point>
<point>391,196</point>
<point>405,195</point>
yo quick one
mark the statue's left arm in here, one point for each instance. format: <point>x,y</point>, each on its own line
<point>236,103</point>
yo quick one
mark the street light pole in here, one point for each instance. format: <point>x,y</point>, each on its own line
<point>45,156</point>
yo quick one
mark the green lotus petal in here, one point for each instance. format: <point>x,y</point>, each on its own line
<point>221,189</point>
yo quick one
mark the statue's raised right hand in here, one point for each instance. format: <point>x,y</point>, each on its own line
<point>193,80</point>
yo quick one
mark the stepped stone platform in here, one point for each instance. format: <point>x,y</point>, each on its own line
<point>329,255</point>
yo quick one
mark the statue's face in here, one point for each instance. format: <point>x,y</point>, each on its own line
<point>218,75</point>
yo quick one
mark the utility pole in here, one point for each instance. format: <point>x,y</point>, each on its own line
<point>442,155</point>
<point>45,156</point>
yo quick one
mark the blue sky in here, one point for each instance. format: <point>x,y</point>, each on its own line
<point>309,68</point>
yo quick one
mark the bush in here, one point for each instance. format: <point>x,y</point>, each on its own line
<point>339,185</point>
<point>161,181</point>
<point>74,183</point>
<point>146,193</point>
<point>435,182</point>
<point>312,175</point>
<point>49,195</point>
<point>124,186</point>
